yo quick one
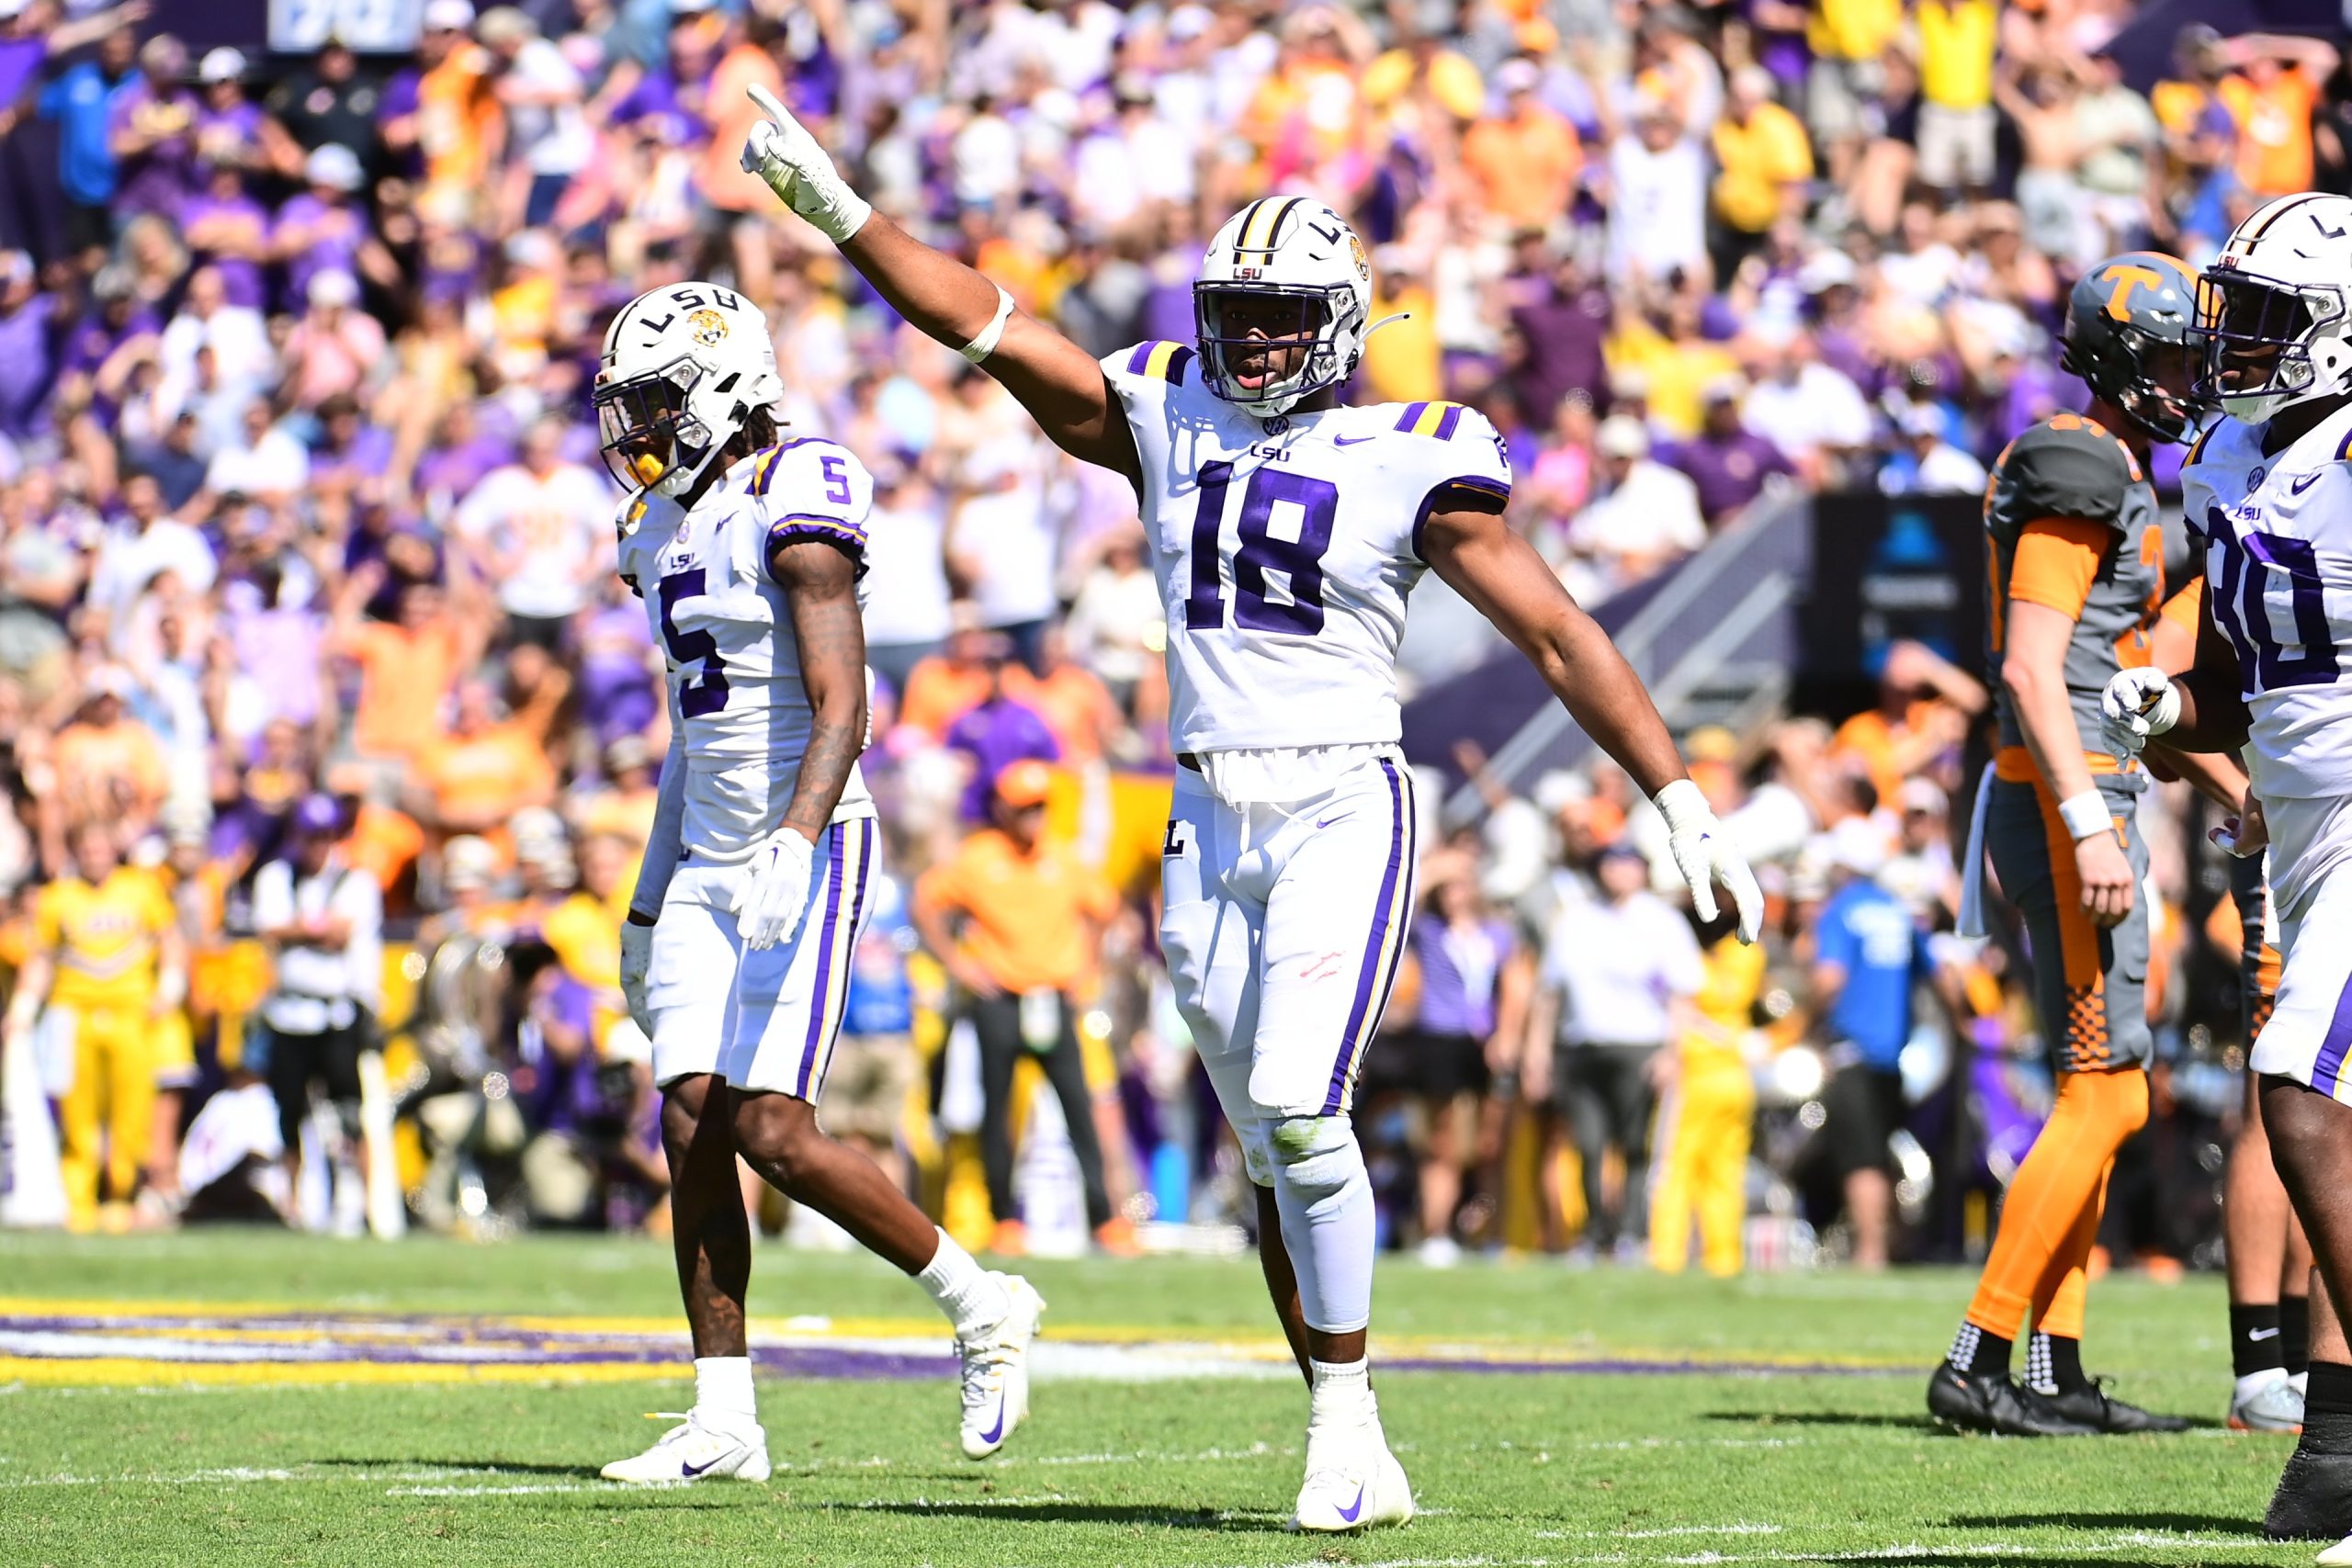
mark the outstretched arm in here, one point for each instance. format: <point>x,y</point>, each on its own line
<point>1058,382</point>
<point>1482,559</point>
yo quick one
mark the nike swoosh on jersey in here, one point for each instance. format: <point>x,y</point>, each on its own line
<point>1352,440</point>
<point>1342,817</point>
<point>2297,487</point>
<point>1353,1509</point>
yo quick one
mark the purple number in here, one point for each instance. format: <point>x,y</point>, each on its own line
<point>836,480</point>
<point>1205,606</point>
<point>2224,594</point>
<point>709,694</point>
<point>2241,610</point>
<point>1300,561</point>
<point>2315,665</point>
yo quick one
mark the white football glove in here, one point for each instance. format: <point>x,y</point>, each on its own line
<point>781,152</point>
<point>2136,705</point>
<point>637,958</point>
<point>1704,856</point>
<point>772,893</point>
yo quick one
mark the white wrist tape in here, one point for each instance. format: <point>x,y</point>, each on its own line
<point>984,343</point>
<point>2086,815</point>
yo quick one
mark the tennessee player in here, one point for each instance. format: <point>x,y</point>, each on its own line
<point>107,954</point>
<point>2076,561</point>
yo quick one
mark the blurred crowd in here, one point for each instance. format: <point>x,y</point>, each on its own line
<point>306,558</point>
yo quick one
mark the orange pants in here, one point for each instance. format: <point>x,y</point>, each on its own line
<point>2049,1219</point>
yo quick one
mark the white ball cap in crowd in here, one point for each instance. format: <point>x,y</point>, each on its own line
<point>11,9</point>
<point>1826,270</point>
<point>1856,845</point>
<point>468,862</point>
<point>1555,791</point>
<point>449,15</point>
<point>335,166</point>
<point>333,288</point>
<point>220,65</point>
<point>1621,436</point>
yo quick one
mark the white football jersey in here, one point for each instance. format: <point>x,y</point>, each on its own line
<point>2277,532</point>
<point>1285,549</point>
<point>725,628</point>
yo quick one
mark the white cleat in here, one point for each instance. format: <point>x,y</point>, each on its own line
<point>1353,1483</point>
<point>692,1451</point>
<point>2337,1556</point>
<point>2275,1405</point>
<point>996,1371</point>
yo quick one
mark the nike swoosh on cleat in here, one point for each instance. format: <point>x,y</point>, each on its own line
<point>691,1470</point>
<point>1352,440</point>
<point>1353,1509</point>
<point>993,1433</point>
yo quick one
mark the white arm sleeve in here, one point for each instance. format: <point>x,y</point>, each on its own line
<point>662,846</point>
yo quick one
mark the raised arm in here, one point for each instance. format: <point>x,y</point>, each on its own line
<point>1058,382</point>
<point>1481,559</point>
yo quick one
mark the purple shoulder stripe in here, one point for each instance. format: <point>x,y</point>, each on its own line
<point>1411,416</point>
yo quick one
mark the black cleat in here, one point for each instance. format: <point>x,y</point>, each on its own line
<point>1996,1402</point>
<point>2314,1498</point>
<point>2094,1407</point>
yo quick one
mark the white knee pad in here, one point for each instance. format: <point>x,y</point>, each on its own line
<point>1329,1223</point>
<point>1316,1157</point>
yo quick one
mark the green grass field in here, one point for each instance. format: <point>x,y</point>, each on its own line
<point>120,1459</point>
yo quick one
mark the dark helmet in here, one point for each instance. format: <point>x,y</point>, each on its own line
<point>2122,319</point>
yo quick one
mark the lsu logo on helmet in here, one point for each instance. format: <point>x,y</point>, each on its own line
<point>708,328</point>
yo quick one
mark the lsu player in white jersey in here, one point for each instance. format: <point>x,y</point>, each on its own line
<point>2268,489</point>
<point>748,548</point>
<point>1286,531</point>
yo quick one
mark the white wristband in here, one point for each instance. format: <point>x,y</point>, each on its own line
<point>984,344</point>
<point>2086,815</point>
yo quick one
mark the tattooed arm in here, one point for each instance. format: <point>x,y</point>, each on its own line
<point>820,579</point>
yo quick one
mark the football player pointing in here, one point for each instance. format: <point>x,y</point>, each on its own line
<point>748,550</point>
<point>1286,531</point>
<point>2269,490</point>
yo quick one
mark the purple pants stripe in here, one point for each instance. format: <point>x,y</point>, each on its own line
<point>836,849</point>
<point>2330,1065</point>
<point>1379,970</point>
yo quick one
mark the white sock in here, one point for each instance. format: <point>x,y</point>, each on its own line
<point>970,1296</point>
<point>2300,1381</point>
<point>1341,1394</point>
<point>723,1392</point>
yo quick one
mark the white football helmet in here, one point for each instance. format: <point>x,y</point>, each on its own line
<point>683,368</point>
<point>1282,268</point>
<point>2273,311</point>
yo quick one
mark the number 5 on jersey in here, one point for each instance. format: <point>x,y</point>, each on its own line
<point>705,690</point>
<point>1309,504</point>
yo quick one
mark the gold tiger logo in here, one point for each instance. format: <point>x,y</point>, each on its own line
<point>709,328</point>
<point>1364,263</point>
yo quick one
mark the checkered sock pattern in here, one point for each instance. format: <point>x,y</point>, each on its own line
<point>2040,1375</point>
